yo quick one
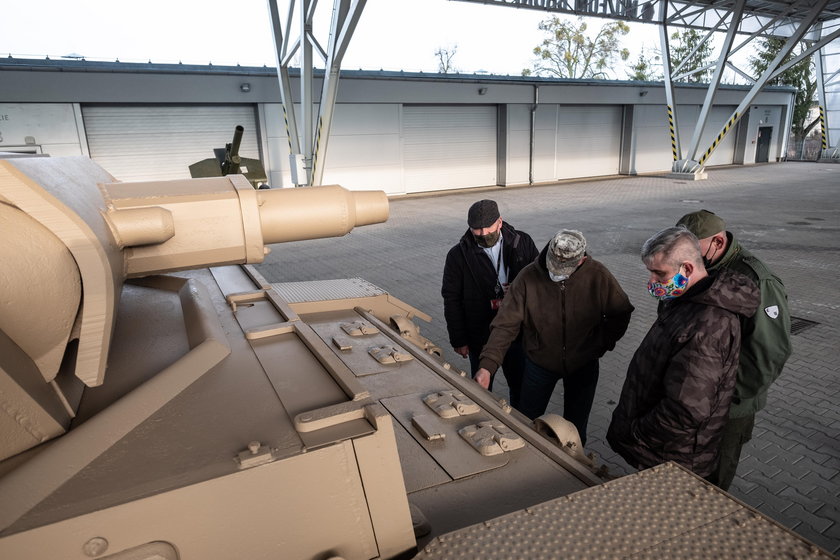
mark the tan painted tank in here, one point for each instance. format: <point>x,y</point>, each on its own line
<point>160,400</point>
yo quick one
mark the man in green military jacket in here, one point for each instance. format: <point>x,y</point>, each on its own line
<point>765,345</point>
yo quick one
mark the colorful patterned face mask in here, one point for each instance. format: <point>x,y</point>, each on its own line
<point>675,287</point>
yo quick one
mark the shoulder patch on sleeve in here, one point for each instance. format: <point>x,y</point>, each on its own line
<point>772,311</point>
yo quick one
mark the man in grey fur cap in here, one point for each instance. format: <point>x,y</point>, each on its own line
<point>570,311</point>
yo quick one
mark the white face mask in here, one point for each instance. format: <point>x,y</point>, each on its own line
<point>558,278</point>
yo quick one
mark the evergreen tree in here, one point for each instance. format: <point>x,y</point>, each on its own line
<point>645,69</point>
<point>801,76</point>
<point>682,43</point>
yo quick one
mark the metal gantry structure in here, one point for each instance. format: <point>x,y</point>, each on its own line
<point>816,23</point>
<point>308,143</point>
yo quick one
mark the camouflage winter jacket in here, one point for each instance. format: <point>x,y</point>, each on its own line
<point>679,386</point>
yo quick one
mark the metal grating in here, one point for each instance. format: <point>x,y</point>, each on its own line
<point>663,512</point>
<point>319,290</point>
<point>798,325</point>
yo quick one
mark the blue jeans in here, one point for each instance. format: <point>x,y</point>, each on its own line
<point>513,367</point>
<point>578,393</point>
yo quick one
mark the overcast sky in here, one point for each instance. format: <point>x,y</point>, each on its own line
<point>391,35</point>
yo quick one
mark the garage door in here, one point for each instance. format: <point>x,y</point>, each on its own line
<point>588,141</point>
<point>140,143</point>
<point>448,147</point>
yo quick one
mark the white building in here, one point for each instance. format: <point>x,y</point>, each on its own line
<point>395,131</point>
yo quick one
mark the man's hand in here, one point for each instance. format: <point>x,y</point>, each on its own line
<point>463,351</point>
<point>482,377</point>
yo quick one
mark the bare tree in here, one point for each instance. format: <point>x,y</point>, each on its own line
<point>445,56</point>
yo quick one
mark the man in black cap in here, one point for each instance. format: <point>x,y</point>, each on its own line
<point>476,276</point>
<point>765,337</point>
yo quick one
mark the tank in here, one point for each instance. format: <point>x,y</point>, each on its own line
<point>162,400</point>
<point>227,161</point>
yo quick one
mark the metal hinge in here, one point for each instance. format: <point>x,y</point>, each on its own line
<point>491,438</point>
<point>449,404</point>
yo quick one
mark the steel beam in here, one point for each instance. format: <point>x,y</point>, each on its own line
<point>671,104</point>
<point>737,12</point>
<point>308,142</point>
<point>820,72</point>
<point>345,17</point>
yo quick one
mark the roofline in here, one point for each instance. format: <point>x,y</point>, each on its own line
<point>62,65</point>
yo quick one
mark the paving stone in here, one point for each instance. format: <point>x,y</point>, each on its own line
<point>823,540</point>
<point>807,465</point>
<point>808,518</point>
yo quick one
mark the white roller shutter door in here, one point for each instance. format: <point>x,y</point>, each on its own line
<point>160,142</point>
<point>588,141</point>
<point>448,147</point>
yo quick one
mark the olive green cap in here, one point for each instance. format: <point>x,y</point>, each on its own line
<point>702,223</point>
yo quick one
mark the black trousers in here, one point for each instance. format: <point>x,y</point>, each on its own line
<point>736,433</point>
<point>578,393</point>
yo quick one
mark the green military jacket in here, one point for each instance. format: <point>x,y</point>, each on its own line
<point>765,345</point>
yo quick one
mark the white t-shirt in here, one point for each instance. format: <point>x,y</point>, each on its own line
<point>497,259</point>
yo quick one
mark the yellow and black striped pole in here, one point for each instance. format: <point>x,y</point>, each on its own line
<point>286,121</point>
<point>673,133</point>
<point>317,145</point>
<point>822,129</point>
<point>732,120</point>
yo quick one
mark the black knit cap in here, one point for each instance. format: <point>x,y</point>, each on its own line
<point>482,214</point>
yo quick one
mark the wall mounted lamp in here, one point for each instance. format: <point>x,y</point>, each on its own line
<point>245,87</point>
<point>643,93</point>
<point>482,90</point>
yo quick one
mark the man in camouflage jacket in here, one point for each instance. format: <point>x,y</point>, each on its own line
<point>765,337</point>
<point>679,386</point>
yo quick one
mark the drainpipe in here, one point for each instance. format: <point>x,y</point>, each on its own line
<point>533,130</point>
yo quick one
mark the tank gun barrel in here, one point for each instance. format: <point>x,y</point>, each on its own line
<point>223,220</point>
<point>232,160</point>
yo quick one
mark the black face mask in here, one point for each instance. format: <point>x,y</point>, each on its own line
<point>707,261</point>
<point>489,240</point>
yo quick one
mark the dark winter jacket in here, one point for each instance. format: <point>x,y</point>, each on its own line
<point>675,400</point>
<point>565,325</point>
<point>469,282</point>
<point>766,343</point>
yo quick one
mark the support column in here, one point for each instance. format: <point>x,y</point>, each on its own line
<point>308,144</point>
<point>827,151</point>
<point>689,165</point>
<point>671,104</point>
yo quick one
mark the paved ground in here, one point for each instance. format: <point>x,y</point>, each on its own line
<point>788,214</point>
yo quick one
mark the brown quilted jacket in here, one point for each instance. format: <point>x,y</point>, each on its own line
<point>675,400</point>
